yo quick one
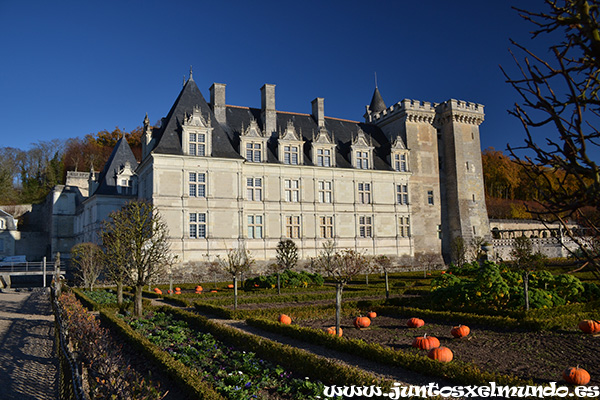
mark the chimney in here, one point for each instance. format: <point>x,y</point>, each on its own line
<point>217,101</point>
<point>267,109</point>
<point>318,111</point>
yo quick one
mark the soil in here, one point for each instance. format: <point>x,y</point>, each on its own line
<point>539,356</point>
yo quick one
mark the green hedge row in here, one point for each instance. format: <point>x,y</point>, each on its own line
<point>188,379</point>
<point>456,371</point>
<point>292,358</point>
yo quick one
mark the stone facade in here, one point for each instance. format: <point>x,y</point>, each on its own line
<point>407,180</point>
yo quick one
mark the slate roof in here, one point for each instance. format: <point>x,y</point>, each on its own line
<point>377,103</point>
<point>225,140</point>
<point>121,154</point>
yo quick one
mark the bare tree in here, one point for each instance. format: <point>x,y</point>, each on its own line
<point>560,94</point>
<point>342,266</point>
<point>385,264</point>
<point>287,257</point>
<point>87,258</point>
<point>236,262</point>
<point>458,251</point>
<point>138,238</point>
<point>429,261</point>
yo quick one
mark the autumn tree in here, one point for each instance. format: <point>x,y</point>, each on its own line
<point>559,110</point>
<point>341,266</point>
<point>138,237</point>
<point>88,261</point>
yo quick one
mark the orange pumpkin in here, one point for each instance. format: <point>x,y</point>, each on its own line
<point>284,319</point>
<point>589,326</point>
<point>157,291</point>
<point>362,322</point>
<point>331,331</point>
<point>199,288</point>
<point>372,314</point>
<point>460,331</point>
<point>426,342</point>
<point>441,353</point>
<point>230,286</point>
<point>576,376</point>
<point>213,291</point>
<point>178,289</point>
<point>415,323</point>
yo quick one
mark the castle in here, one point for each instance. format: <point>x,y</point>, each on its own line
<point>406,180</point>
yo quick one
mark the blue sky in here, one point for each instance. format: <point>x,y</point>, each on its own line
<point>75,67</point>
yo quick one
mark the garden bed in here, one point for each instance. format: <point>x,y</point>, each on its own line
<point>539,356</point>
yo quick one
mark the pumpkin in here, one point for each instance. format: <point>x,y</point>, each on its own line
<point>199,288</point>
<point>157,291</point>
<point>415,323</point>
<point>362,322</point>
<point>442,354</point>
<point>426,342</point>
<point>213,291</point>
<point>178,289</point>
<point>589,326</point>
<point>372,314</point>
<point>576,376</point>
<point>230,286</point>
<point>460,331</point>
<point>284,319</point>
<point>331,331</point>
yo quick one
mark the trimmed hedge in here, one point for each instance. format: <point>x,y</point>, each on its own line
<point>457,371</point>
<point>297,360</point>
<point>186,378</point>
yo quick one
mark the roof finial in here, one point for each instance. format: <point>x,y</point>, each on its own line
<point>375,78</point>
<point>191,79</point>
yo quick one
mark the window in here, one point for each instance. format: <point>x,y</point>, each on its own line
<point>323,157</point>
<point>402,194</point>
<point>365,226</point>
<point>430,197</point>
<point>291,190</point>
<point>364,193</point>
<point>197,144</point>
<point>290,155</point>
<point>439,230</point>
<point>255,226</point>
<point>292,226</point>
<point>400,162</point>
<point>325,191</point>
<point>126,186</point>
<point>197,225</point>
<point>197,184</point>
<point>254,189</point>
<point>326,227</point>
<point>253,152</point>
<point>2,224</point>
<point>404,225</point>
<point>362,159</point>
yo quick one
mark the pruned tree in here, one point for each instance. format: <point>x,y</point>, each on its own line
<point>458,251</point>
<point>287,257</point>
<point>428,261</point>
<point>385,264</point>
<point>525,261</point>
<point>236,262</point>
<point>342,266</point>
<point>137,237</point>
<point>88,259</point>
<point>560,113</point>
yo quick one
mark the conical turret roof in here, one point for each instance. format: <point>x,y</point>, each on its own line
<point>377,103</point>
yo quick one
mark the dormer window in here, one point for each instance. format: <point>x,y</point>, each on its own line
<point>323,157</point>
<point>197,133</point>
<point>290,146</point>
<point>323,149</point>
<point>253,143</point>
<point>362,151</point>
<point>291,155</point>
<point>399,156</point>
<point>254,152</point>
<point>126,180</point>
<point>197,144</point>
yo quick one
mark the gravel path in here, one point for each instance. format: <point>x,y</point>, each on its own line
<point>27,359</point>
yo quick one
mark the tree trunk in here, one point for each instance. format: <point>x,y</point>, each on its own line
<point>278,284</point>
<point>120,293</point>
<point>234,293</point>
<point>526,290</point>
<point>338,307</point>
<point>367,279</point>
<point>137,305</point>
<point>387,286</point>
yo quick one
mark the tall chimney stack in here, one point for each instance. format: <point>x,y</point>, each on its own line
<point>217,101</point>
<point>318,111</point>
<point>267,109</point>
